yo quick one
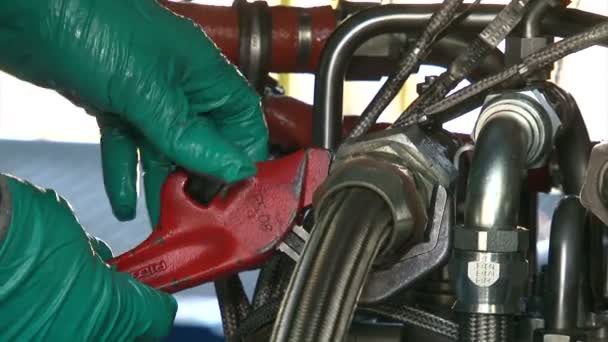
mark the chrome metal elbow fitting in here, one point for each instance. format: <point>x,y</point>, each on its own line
<point>536,115</point>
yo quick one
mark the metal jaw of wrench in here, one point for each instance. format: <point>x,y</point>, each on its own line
<point>238,230</point>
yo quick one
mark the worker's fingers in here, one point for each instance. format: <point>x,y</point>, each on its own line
<point>215,88</point>
<point>119,164</point>
<point>155,168</point>
<point>245,127</point>
<point>144,312</point>
<point>191,141</point>
<point>101,248</point>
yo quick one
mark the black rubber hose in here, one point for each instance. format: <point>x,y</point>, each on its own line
<point>566,261</point>
<point>415,317</point>
<point>410,61</point>
<point>265,316</point>
<point>486,328</point>
<point>234,305</point>
<point>572,144</point>
<point>272,281</point>
<point>322,295</point>
<point>530,64</point>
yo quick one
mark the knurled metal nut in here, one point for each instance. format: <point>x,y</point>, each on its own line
<point>491,240</point>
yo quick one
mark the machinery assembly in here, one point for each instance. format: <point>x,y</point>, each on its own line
<point>399,231</point>
<point>402,232</point>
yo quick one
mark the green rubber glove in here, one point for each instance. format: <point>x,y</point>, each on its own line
<point>161,84</point>
<point>54,285</point>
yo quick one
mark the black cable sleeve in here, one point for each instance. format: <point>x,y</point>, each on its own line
<point>486,328</point>
<point>415,317</point>
<point>410,61</point>
<point>233,302</point>
<point>512,75</point>
<point>479,48</point>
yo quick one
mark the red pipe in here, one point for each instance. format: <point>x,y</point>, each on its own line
<point>290,122</point>
<point>287,54</point>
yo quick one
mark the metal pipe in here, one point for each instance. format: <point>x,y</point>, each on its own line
<point>496,173</point>
<point>531,23</point>
<point>341,46</point>
<point>566,260</point>
<point>573,145</point>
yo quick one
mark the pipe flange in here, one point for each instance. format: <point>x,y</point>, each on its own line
<point>536,115</point>
<point>396,186</point>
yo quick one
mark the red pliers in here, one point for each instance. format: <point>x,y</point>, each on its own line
<point>237,230</point>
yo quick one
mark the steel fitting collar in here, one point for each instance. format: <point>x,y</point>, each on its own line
<point>410,148</point>
<point>536,115</point>
<point>393,183</point>
<point>489,283</point>
<point>491,240</point>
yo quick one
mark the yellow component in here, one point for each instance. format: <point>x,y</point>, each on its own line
<point>284,79</point>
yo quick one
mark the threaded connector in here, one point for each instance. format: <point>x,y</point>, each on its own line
<point>486,328</point>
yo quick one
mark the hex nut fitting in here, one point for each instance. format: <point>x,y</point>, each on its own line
<point>395,184</point>
<point>492,240</point>
<point>410,148</point>
<point>489,283</point>
<point>594,187</point>
<point>536,114</point>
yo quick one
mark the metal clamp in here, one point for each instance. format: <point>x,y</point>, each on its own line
<point>255,24</point>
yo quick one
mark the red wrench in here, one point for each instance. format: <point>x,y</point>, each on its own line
<point>238,230</point>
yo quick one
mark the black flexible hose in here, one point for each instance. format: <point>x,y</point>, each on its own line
<point>566,262</point>
<point>411,59</point>
<point>265,315</point>
<point>532,63</point>
<point>572,144</point>
<point>415,317</point>
<point>487,40</point>
<point>322,295</point>
<point>486,328</point>
<point>234,305</point>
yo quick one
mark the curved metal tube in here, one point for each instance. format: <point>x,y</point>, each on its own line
<point>402,18</point>
<point>327,115</point>
<point>566,258</point>
<point>573,145</point>
<point>531,23</point>
<point>496,174</point>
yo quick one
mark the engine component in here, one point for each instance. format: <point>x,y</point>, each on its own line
<point>566,260</point>
<point>387,166</point>
<point>415,151</point>
<point>327,116</point>
<point>407,64</point>
<point>594,195</point>
<point>489,266</point>
<point>437,112</point>
<point>486,41</point>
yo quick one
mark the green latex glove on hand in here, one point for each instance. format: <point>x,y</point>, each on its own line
<point>54,285</point>
<point>161,84</point>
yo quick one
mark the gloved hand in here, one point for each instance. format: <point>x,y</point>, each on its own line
<point>54,285</point>
<point>155,81</point>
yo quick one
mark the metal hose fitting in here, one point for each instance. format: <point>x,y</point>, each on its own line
<point>489,268</point>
